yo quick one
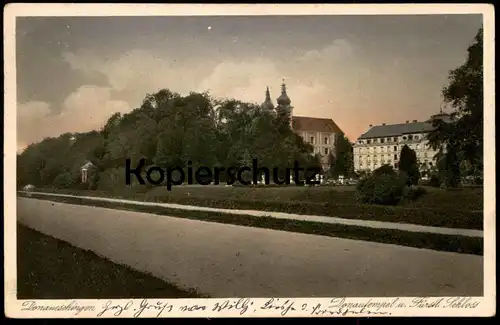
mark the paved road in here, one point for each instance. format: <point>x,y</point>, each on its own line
<point>229,261</point>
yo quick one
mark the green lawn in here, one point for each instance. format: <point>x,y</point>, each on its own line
<point>48,268</point>
<point>461,208</point>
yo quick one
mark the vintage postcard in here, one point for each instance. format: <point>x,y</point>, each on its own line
<point>249,160</point>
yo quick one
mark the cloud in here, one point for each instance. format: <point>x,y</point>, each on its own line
<point>87,108</point>
<point>340,49</point>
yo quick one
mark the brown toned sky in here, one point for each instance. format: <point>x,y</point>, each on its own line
<point>73,73</point>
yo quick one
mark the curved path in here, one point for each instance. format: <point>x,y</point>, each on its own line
<point>234,261</point>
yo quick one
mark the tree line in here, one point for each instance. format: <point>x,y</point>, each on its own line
<point>167,130</point>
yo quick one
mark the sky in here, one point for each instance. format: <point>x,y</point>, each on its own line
<point>73,73</point>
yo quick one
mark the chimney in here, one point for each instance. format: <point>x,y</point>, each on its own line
<point>407,122</point>
<point>414,121</point>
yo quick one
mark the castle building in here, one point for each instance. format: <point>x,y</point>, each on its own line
<point>319,132</point>
<point>382,144</point>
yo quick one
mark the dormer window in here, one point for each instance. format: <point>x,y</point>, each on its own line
<point>326,140</point>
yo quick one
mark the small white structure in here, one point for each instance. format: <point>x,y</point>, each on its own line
<point>29,188</point>
<point>317,180</point>
<point>85,171</point>
<point>321,179</point>
<point>291,179</point>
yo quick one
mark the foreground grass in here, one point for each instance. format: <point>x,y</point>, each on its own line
<point>439,208</point>
<point>52,269</point>
<point>450,243</point>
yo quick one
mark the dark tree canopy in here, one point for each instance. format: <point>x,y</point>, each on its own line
<point>408,164</point>
<point>167,130</point>
<point>341,162</point>
<point>465,95</point>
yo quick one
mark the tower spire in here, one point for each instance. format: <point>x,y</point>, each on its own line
<point>268,104</point>
<point>284,100</point>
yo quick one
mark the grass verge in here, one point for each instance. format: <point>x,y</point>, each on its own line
<point>449,243</point>
<point>48,268</point>
<point>437,216</point>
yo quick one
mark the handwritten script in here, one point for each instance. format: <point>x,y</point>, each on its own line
<point>247,307</point>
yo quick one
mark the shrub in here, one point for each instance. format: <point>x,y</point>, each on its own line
<point>381,188</point>
<point>414,192</point>
<point>63,180</point>
<point>384,169</point>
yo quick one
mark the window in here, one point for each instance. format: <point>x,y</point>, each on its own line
<point>312,139</point>
<point>410,137</point>
<point>326,151</point>
<point>395,148</point>
<point>368,141</point>
<point>404,138</point>
<point>416,137</point>
<point>395,157</point>
<point>374,140</point>
<point>395,139</point>
<point>326,140</point>
<point>382,140</point>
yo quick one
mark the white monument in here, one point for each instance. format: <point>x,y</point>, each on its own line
<point>85,171</point>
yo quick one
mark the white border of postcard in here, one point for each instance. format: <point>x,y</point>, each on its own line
<point>471,306</point>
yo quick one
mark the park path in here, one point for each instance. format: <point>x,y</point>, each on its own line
<point>291,216</point>
<point>234,261</point>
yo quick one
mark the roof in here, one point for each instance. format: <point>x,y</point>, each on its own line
<point>379,131</point>
<point>316,124</point>
<point>88,165</point>
<point>390,130</point>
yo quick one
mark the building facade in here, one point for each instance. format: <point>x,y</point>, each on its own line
<point>382,144</point>
<point>319,132</point>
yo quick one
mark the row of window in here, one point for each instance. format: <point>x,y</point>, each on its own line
<point>325,140</point>
<point>410,137</point>
<point>425,155</point>
<point>325,150</point>
<point>383,162</point>
<point>387,149</point>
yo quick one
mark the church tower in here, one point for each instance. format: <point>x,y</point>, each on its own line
<point>284,108</point>
<point>267,104</point>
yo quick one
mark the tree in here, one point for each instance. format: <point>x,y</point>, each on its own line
<point>409,165</point>
<point>342,159</point>
<point>464,135</point>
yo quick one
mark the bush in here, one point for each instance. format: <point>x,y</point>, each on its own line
<point>381,188</point>
<point>414,192</point>
<point>384,170</point>
<point>63,180</point>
